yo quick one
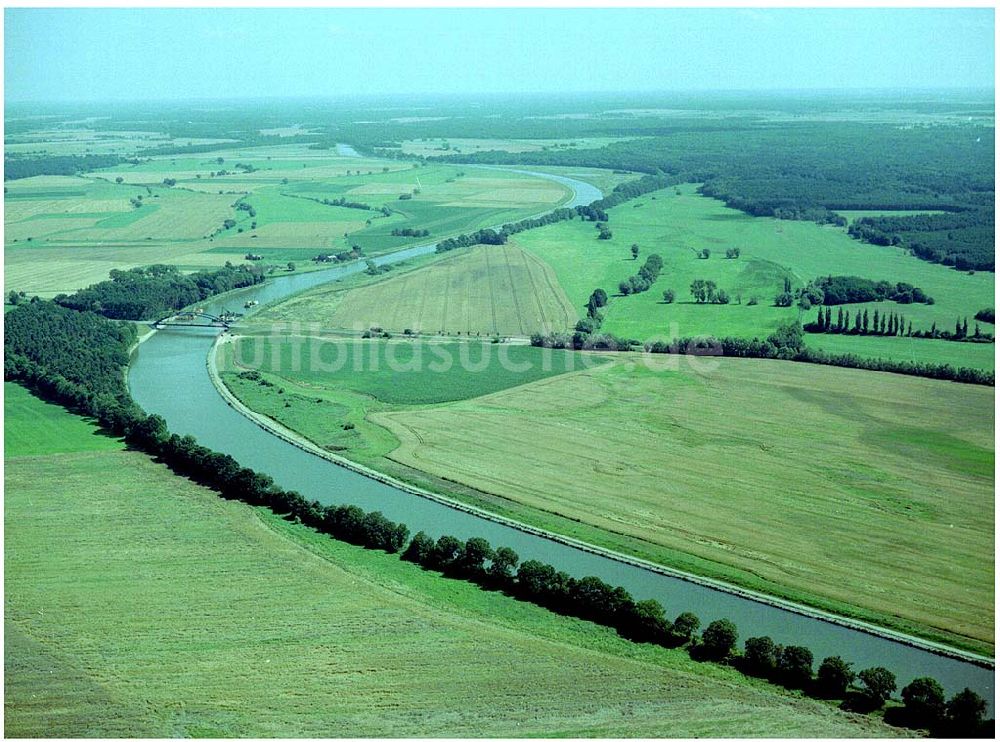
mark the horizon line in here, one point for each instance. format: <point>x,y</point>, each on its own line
<point>471,95</point>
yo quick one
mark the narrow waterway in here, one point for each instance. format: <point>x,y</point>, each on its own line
<point>168,376</point>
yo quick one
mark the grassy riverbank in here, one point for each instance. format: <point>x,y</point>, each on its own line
<point>139,604</point>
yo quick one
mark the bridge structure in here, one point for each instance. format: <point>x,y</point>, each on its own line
<point>196,319</point>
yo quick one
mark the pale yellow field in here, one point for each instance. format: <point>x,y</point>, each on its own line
<point>486,290</point>
<point>289,234</point>
<point>179,216</point>
<point>845,488</point>
<point>47,271</point>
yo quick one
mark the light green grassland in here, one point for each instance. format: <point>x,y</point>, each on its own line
<point>326,388</point>
<point>41,428</point>
<point>141,605</point>
<point>678,226</point>
<point>845,474</point>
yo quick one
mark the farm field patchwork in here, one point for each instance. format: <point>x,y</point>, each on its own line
<point>290,633</point>
<point>60,231</point>
<point>678,226</point>
<point>870,494</point>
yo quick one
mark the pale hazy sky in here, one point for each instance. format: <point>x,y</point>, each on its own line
<point>104,54</point>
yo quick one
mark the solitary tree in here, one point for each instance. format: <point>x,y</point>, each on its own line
<point>668,296</point>
<point>635,251</point>
<point>475,555</point>
<point>795,666</point>
<point>684,627</point>
<point>503,563</point>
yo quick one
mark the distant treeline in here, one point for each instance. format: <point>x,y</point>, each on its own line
<point>785,344</point>
<point>150,292</point>
<point>596,211</point>
<point>17,167</point>
<point>963,240</point>
<point>98,389</point>
<point>811,170</point>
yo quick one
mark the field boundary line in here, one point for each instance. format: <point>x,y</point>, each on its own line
<point>299,441</point>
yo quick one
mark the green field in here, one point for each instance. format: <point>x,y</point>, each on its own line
<point>678,226</point>
<point>330,387</point>
<point>138,604</point>
<point>498,290</point>
<point>40,428</point>
<point>676,464</point>
<point>844,475</point>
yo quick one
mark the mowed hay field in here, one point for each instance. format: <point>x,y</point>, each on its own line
<point>678,226</point>
<point>485,290</point>
<point>866,493</point>
<point>138,604</point>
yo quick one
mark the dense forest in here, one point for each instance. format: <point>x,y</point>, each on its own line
<point>150,292</point>
<point>16,167</point>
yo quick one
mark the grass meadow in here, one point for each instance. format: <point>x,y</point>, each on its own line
<point>678,226</point>
<point>141,605</point>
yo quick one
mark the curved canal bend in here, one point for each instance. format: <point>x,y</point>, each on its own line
<point>168,377</point>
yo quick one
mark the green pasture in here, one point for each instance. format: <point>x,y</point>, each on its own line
<point>33,427</point>
<point>679,226</point>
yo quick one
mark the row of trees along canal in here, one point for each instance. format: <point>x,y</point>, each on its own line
<point>78,357</point>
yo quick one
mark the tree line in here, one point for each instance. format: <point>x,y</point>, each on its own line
<point>49,339</point>
<point>16,167</point>
<point>890,325</point>
<point>150,292</point>
<point>596,211</point>
<point>856,290</point>
<point>645,278</point>
<point>410,232</point>
<point>785,343</point>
